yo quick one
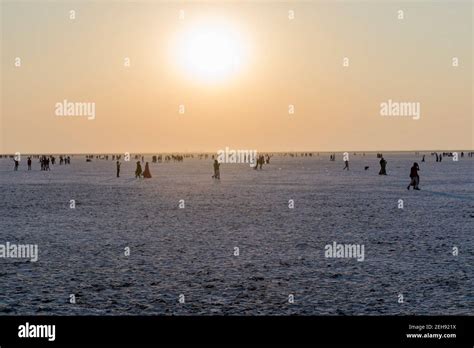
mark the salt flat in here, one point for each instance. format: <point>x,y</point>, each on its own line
<point>190,251</point>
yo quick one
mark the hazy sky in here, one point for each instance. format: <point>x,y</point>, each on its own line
<point>281,61</point>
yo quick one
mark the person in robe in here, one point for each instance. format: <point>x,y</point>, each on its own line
<point>147,173</point>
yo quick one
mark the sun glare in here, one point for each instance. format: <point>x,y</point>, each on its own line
<point>210,52</point>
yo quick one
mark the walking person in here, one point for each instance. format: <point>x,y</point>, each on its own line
<point>346,165</point>
<point>415,178</point>
<point>138,171</point>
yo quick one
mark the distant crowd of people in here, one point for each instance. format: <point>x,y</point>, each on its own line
<point>47,161</point>
<point>44,161</point>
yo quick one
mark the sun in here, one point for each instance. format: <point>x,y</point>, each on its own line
<point>210,52</point>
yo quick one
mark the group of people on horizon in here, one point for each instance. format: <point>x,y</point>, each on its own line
<point>139,173</point>
<point>46,161</point>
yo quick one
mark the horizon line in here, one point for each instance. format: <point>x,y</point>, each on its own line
<point>211,152</point>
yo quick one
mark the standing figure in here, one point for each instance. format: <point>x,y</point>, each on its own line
<point>217,172</point>
<point>138,171</point>
<point>415,178</point>
<point>118,169</point>
<point>29,163</point>
<point>383,164</point>
<point>261,159</point>
<point>147,173</point>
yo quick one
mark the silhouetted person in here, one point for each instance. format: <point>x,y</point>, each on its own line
<point>383,164</point>
<point>17,163</point>
<point>423,159</point>
<point>415,178</point>
<point>346,166</point>
<point>440,157</point>
<point>147,173</point>
<point>118,169</point>
<point>217,172</point>
<point>29,163</point>
<point>138,171</point>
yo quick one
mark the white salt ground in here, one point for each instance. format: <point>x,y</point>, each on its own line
<point>190,251</point>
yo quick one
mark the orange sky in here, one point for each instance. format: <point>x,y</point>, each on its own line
<point>283,62</point>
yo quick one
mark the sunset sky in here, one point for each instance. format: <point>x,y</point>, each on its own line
<point>236,67</point>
